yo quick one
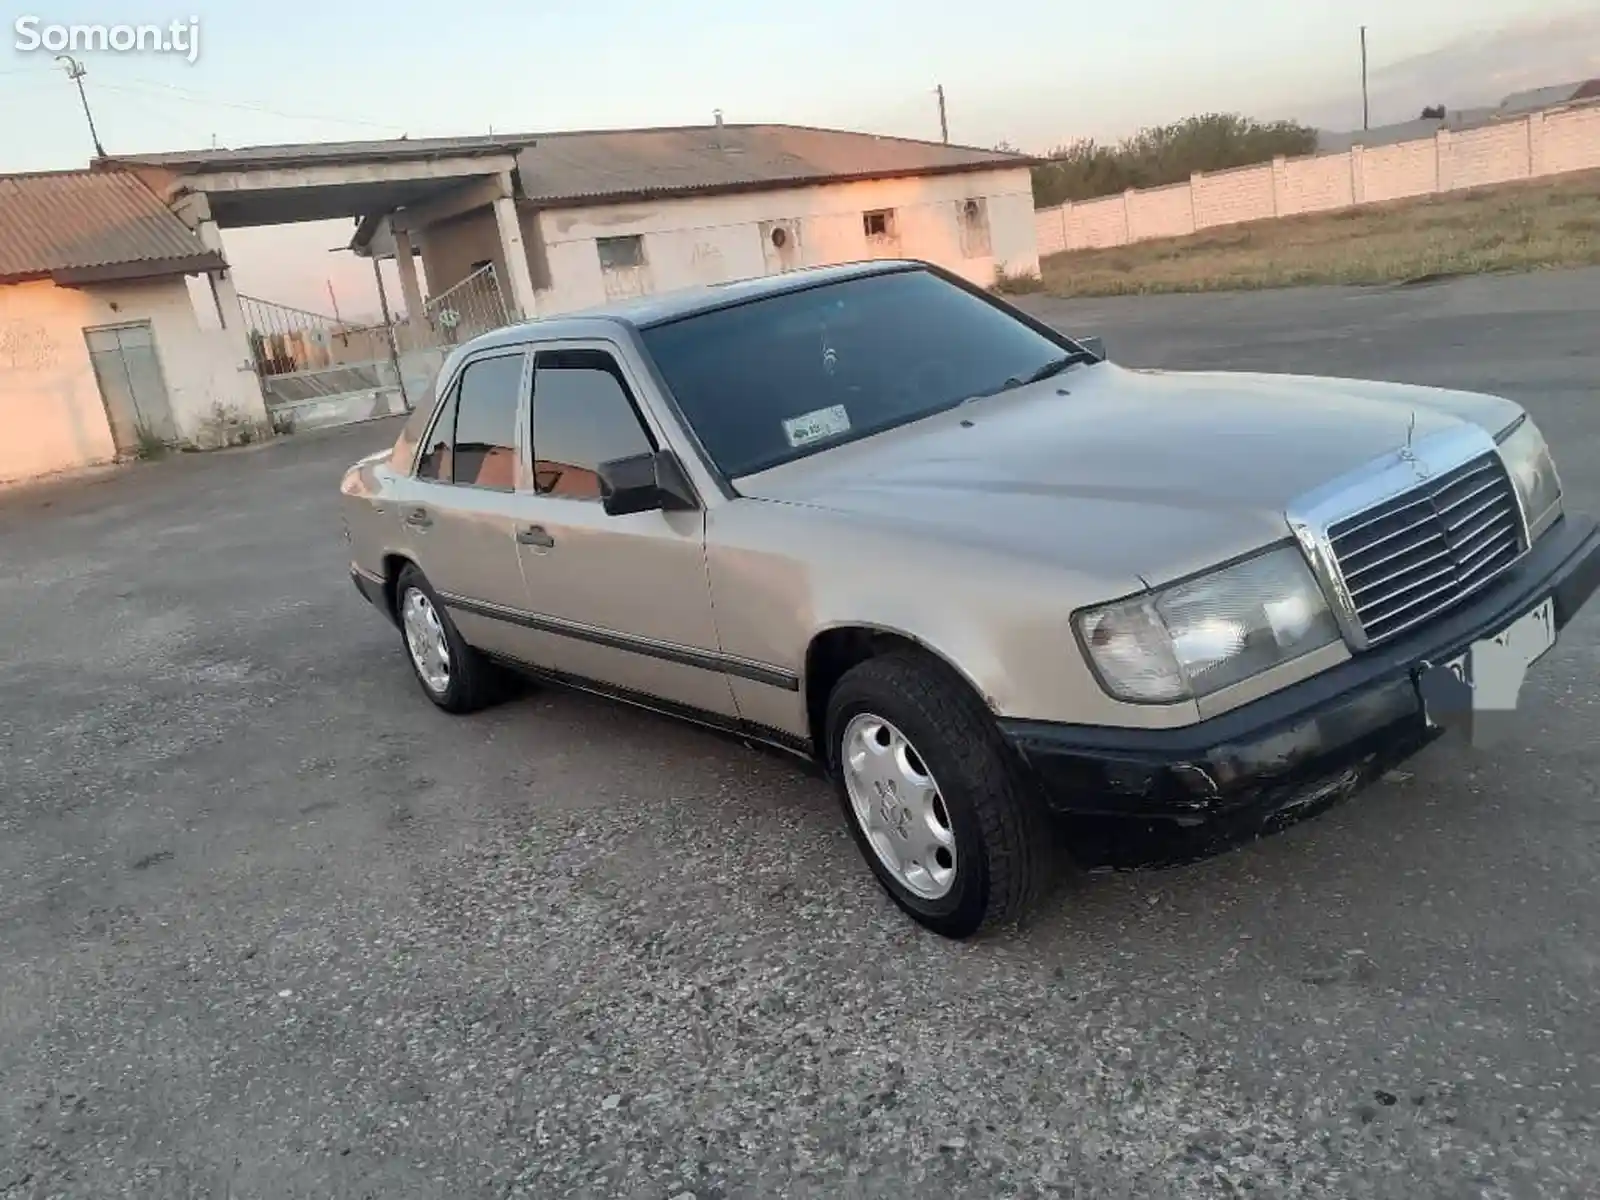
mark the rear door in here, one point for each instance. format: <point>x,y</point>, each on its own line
<point>459,510</point>
<point>627,594</point>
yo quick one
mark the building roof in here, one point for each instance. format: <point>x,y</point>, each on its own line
<point>611,164</point>
<point>1549,97</point>
<point>1460,120</point>
<point>304,154</point>
<point>588,168</point>
<point>92,226</point>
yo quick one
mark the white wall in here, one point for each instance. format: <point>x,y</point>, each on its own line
<point>50,407</point>
<point>1531,147</point>
<point>717,238</point>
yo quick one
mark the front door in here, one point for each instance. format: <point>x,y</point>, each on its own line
<point>460,511</point>
<point>627,594</point>
<point>132,387</point>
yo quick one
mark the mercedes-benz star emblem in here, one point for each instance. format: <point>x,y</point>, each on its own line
<point>1419,468</point>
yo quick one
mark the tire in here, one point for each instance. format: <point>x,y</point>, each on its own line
<point>999,843</point>
<point>470,681</point>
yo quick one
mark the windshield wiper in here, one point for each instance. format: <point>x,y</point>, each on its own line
<point>1054,367</point>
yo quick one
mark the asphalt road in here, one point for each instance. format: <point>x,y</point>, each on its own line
<point>271,926</point>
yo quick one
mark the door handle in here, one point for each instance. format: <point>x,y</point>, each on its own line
<point>418,518</point>
<point>535,535</point>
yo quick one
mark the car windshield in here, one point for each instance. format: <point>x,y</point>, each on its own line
<point>772,380</point>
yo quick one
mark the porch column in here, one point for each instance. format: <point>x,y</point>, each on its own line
<point>409,288</point>
<point>523,305</point>
<point>230,313</point>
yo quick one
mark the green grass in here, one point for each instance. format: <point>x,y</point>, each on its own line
<point>1516,227</point>
<point>148,444</point>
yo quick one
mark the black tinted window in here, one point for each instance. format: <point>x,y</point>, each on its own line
<point>775,379</point>
<point>486,423</point>
<point>582,417</point>
<point>435,460</point>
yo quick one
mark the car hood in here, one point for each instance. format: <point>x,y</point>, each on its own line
<point>1126,472</point>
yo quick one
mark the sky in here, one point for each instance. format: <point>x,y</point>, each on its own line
<point>1033,73</point>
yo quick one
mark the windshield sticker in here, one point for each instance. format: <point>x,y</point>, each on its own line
<point>816,426</point>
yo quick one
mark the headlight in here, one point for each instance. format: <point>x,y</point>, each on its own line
<point>1533,472</point>
<point>1199,636</point>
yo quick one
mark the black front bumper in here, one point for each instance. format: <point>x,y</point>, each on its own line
<point>1312,741</point>
<point>373,589</point>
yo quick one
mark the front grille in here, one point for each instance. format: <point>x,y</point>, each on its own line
<point>1414,556</point>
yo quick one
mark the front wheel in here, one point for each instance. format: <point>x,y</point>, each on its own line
<point>932,796</point>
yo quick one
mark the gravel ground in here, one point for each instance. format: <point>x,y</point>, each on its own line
<point>274,927</point>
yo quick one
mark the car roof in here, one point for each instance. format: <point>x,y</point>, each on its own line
<point>643,312</point>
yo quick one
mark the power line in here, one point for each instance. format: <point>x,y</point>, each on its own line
<point>152,108</point>
<point>184,95</point>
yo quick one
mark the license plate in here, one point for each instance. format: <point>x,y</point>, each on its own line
<point>1475,690</point>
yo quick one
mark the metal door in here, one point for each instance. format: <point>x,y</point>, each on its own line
<point>131,386</point>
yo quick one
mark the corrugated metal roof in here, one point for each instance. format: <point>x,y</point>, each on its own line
<point>72,222</point>
<point>653,162</point>
<point>1535,99</point>
<point>601,163</point>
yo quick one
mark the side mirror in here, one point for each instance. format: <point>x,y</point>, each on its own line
<point>648,482</point>
<point>1094,345</point>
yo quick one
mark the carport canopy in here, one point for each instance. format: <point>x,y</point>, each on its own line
<point>369,182</point>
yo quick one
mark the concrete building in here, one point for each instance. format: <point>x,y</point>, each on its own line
<point>567,220</point>
<point>615,214</point>
<point>119,328</point>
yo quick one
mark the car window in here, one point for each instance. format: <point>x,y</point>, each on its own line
<point>486,423</point>
<point>435,462</point>
<point>583,416</point>
<point>774,379</point>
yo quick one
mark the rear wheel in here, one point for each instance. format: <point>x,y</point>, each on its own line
<point>933,797</point>
<point>452,674</point>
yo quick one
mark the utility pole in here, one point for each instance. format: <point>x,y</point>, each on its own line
<point>944,126</point>
<point>1364,111</point>
<point>388,333</point>
<point>76,72</point>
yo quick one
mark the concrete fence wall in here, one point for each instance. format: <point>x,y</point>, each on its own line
<point>1544,143</point>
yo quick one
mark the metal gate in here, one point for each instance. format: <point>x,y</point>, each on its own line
<point>317,370</point>
<point>473,306</point>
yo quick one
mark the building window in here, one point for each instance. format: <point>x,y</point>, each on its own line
<point>620,253</point>
<point>878,224</point>
<point>973,218</point>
